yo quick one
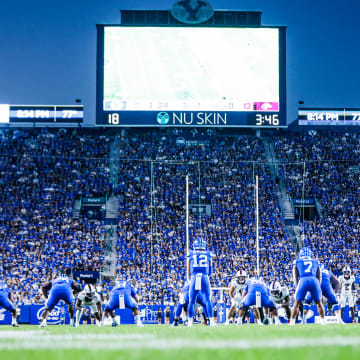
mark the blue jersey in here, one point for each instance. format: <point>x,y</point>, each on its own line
<point>325,277</point>
<point>61,282</point>
<point>4,289</point>
<point>307,267</point>
<point>254,285</point>
<point>61,289</point>
<point>121,296</point>
<point>124,287</point>
<point>200,262</point>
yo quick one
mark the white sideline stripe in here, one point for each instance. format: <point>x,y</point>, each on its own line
<point>36,340</point>
<point>43,335</point>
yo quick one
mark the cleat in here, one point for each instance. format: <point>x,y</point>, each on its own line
<point>42,324</point>
<point>175,324</point>
<point>140,324</point>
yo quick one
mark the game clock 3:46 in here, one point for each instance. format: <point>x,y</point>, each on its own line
<point>267,119</point>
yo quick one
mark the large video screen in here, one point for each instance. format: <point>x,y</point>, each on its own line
<point>190,69</point>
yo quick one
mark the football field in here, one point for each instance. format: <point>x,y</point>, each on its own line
<point>167,342</point>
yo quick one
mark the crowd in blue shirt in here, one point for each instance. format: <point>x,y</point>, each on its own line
<point>42,173</point>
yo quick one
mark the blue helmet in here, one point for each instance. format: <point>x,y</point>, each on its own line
<point>258,278</point>
<point>305,253</point>
<point>199,243</point>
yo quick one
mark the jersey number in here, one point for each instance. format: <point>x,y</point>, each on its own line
<point>202,261</point>
<point>309,266</point>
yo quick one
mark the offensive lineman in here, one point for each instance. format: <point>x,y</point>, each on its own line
<point>60,288</point>
<point>237,287</point>
<point>88,297</point>
<point>347,292</point>
<point>327,278</point>
<point>6,302</point>
<point>123,296</point>
<point>257,294</point>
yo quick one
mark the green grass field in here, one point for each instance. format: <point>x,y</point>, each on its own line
<point>166,342</point>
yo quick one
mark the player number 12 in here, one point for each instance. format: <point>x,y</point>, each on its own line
<point>202,260</point>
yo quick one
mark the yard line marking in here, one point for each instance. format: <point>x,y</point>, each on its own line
<point>33,340</point>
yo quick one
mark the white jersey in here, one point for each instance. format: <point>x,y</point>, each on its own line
<point>346,285</point>
<point>96,299</point>
<point>279,299</point>
<point>239,288</point>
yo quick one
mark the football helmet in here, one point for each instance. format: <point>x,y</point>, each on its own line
<point>305,253</point>
<point>241,276</point>
<point>347,271</point>
<point>258,278</point>
<point>275,288</point>
<point>199,243</point>
<point>89,292</point>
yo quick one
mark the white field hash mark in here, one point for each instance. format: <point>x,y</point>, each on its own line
<point>35,340</point>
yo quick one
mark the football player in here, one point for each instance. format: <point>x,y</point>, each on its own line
<point>327,278</point>
<point>280,295</point>
<point>348,291</point>
<point>237,287</point>
<point>200,264</point>
<point>257,294</point>
<point>6,302</point>
<point>88,297</point>
<point>61,288</point>
<point>307,277</point>
<point>183,303</point>
<point>123,296</point>
<point>184,299</point>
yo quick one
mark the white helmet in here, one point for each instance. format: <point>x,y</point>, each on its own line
<point>89,290</point>
<point>347,270</point>
<point>275,288</point>
<point>241,274</point>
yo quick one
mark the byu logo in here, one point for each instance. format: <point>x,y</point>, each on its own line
<point>192,11</point>
<point>162,118</point>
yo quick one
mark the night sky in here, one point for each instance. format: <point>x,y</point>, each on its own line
<point>48,48</point>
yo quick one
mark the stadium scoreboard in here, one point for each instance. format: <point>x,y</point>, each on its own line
<point>191,76</point>
<point>41,114</point>
<point>329,116</point>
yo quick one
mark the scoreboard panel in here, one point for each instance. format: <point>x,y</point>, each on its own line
<point>191,76</point>
<point>41,114</point>
<point>329,116</point>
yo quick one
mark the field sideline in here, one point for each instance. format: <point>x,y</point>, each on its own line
<point>166,342</point>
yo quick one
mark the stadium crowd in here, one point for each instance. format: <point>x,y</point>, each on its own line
<point>316,168</point>
<point>41,175</point>
<point>43,172</point>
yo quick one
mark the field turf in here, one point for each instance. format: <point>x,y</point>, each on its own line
<point>165,342</point>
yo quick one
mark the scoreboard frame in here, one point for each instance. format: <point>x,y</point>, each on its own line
<point>238,119</point>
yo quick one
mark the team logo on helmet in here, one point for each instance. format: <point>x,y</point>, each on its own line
<point>305,253</point>
<point>200,244</point>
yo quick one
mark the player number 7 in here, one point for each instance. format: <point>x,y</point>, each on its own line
<point>309,266</point>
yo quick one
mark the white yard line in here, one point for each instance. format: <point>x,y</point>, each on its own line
<point>36,340</point>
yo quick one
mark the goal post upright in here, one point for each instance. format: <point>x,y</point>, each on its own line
<point>187,227</point>
<point>257,223</point>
